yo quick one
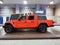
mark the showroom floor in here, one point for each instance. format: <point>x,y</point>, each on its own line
<point>52,32</point>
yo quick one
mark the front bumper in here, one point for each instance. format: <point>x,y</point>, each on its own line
<point>3,26</point>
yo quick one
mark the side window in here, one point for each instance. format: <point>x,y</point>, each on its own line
<point>30,17</point>
<point>23,18</point>
<point>42,18</point>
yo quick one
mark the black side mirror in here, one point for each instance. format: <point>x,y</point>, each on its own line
<point>19,19</point>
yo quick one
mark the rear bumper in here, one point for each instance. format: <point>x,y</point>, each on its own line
<point>51,26</point>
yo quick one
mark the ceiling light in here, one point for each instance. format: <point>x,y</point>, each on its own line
<point>1,2</point>
<point>52,2</point>
<point>25,2</point>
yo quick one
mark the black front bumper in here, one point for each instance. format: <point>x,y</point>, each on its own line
<point>3,26</point>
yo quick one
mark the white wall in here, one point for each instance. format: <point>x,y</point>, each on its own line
<point>49,13</point>
<point>58,13</point>
<point>58,10</point>
<point>6,11</point>
<point>17,9</point>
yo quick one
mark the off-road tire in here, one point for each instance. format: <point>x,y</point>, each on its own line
<point>42,28</point>
<point>8,29</point>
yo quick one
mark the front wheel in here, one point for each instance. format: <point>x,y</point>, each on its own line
<point>8,28</point>
<point>42,28</point>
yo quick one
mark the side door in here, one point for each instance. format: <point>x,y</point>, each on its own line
<point>22,22</point>
<point>31,22</point>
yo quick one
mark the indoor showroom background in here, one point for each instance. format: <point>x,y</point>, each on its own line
<point>7,10</point>
<point>49,9</point>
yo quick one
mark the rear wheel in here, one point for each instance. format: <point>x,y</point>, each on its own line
<point>8,29</point>
<point>42,28</point>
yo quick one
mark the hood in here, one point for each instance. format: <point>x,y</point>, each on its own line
<point>10,21</point>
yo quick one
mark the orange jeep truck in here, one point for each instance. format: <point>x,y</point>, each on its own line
<point>28,21</point>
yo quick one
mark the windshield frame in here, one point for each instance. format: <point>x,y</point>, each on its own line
<point>12,18</point>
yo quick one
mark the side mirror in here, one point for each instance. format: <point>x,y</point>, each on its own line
<point>19,19</point>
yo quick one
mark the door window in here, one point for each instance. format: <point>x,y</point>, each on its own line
<point>30,17</point>
<point>42,18</point>
<point>23,18</point>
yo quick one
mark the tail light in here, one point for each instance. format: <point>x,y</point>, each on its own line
<point>53,22</point>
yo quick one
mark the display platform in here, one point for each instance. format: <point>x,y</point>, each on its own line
<point>50,34</point>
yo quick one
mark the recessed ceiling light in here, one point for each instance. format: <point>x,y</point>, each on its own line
<point>52,2</point>
<point>1,2</point>
<point>25,1</point>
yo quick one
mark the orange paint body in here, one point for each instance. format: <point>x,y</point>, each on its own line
<point>29,23</point>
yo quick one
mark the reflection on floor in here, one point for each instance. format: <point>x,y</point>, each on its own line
<point>51,33</point>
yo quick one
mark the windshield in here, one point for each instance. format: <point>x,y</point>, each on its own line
<point>14,16</point>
